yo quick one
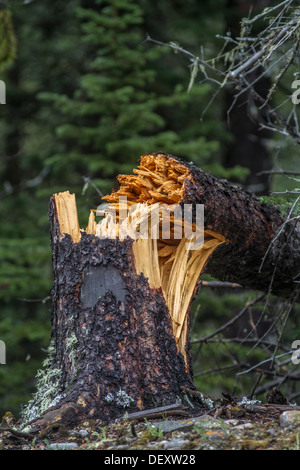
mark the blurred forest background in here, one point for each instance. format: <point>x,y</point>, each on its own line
<point>86,95</point>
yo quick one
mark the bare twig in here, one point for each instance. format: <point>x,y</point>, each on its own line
<point>217,369</point>
<point>278,172</point>
<point>293,51</point>
<point>158,412</point>
<point>88,181</point>
<point>177,48</point>
<point>266,361</point>
<point>220,284</point>
<point>287,221</point>
<point>255,385</point>
<point>267,11</point>
<point>270,49</point>
<point>44,300</point>
<point>232,320</point>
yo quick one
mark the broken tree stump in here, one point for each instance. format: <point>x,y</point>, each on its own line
<point>121,302</point>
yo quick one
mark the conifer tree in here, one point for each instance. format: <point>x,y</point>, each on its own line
<point>116,113</point>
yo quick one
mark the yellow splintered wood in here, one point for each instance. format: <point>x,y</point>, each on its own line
<point>167,264</point>
<point>196,261</point>
<point>67,215</point>
<point>157,179</point>
<point>92,224</point>
<point>146,261</point>
<point>178,276</point>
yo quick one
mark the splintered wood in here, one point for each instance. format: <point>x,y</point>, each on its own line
<point>66,210</point>
<point>169,262</point>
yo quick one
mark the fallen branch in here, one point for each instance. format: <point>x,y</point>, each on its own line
<point>222,285</point>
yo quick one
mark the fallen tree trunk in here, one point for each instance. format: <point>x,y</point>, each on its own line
<point>120,321</point>
<point>262,252</point>
<point>258,248</point>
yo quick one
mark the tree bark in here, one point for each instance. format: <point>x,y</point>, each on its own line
<point>120,331</point>
<point>263,250</point>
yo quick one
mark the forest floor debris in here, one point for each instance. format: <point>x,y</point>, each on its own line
<point>269,428</point>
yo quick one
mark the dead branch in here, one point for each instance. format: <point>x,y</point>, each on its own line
<point>273,48</point>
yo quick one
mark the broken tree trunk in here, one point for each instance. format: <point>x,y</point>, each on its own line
<point>121,302</point>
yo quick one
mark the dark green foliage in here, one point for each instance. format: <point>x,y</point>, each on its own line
<point>120,110</point>
<point>287,204</point>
